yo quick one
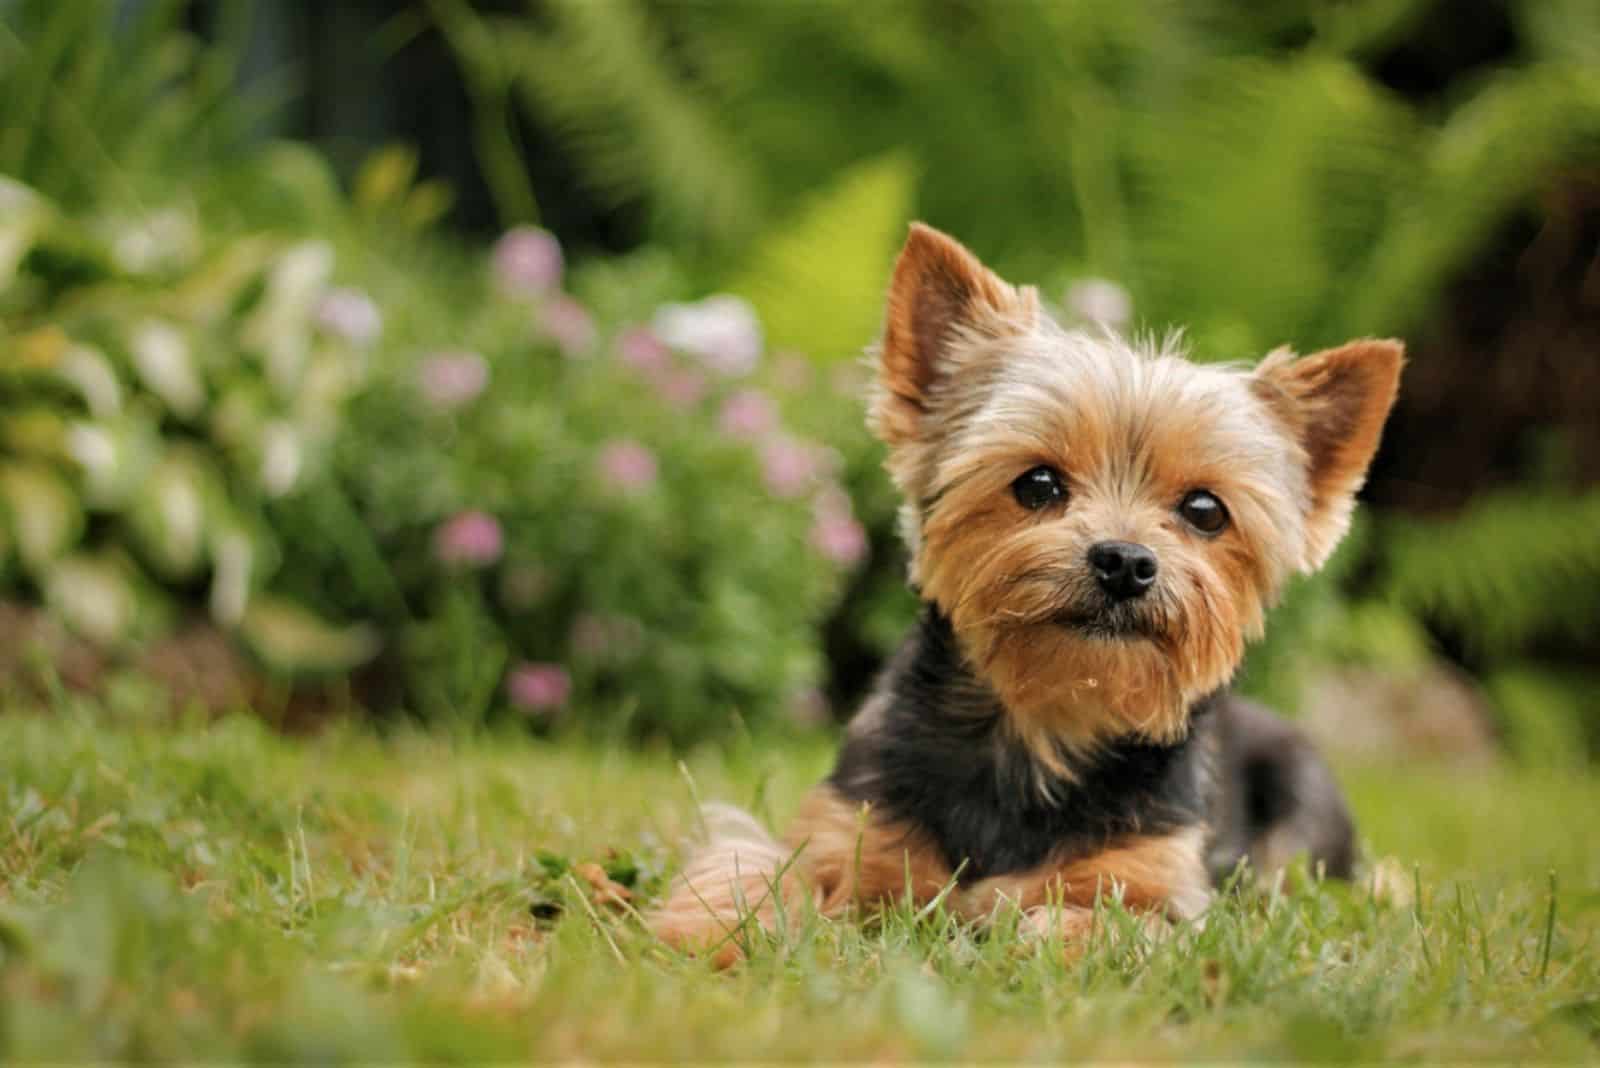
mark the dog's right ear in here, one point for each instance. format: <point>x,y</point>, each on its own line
<point>940,296</point>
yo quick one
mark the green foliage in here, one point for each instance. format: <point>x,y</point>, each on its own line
<point>344,440</point>
<point>104,118</point>
<point>244,435</point>
<point>1539,707</point>
<point>1517,566</point>
<point>1252,192</point>
<point>635,121</point>
<point>162,283</point>
<point>159,392</point>
<point>860,221</point>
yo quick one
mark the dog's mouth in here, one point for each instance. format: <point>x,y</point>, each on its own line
<point>1111,623</point>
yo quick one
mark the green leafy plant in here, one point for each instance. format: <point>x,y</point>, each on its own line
<point>231,392</point>
<point>1254,191</point>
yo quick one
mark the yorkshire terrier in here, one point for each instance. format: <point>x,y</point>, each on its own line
<point>1096,529</point>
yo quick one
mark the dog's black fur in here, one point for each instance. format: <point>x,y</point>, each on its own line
<point>933,752</point>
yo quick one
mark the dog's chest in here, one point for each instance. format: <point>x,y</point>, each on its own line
<point>990,810</point>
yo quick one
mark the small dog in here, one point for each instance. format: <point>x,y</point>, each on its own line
<point>1096,532</point>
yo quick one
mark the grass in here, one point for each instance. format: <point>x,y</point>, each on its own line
<point>222,891</point>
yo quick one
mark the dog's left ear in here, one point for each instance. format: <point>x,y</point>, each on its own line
<point>1334,403</point>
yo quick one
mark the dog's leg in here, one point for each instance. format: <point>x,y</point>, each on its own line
<point>1277,798</point>
<point>740,879</point>
<point>1158,878</point>
<point>837,854</point>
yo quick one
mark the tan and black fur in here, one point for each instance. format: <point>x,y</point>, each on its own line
<point>1043,737</point>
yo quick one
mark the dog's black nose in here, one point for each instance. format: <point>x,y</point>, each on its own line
<point>1125,569</point>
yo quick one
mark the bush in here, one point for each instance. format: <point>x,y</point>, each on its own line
<point>409,452</point>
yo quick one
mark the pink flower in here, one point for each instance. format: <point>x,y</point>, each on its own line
<point>452,379</point>
<point>568,324</point>
<point>628,465</point>
<point>350,315</point>
<point>788,466</point>
<point>471,539</point>
<point>538,687</point>
<point>643,351</point>
<point>839,538</point>
<point>721,331</point>
<point>527,262</point>
<point>682,389</point>
<point>747,414</point>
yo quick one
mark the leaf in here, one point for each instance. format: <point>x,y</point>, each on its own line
<point>45,515</point>
<point>818,282</point>
<point>23,215</point>
<point>291,638</point>
<point>170,515</point>
<point>1491,155</point>
<point>1252,160</point>
<point>280,327</point>
<point>95,596</point>
<point>604,76</point>
<point>1514,566</point>
<point>164,358</point>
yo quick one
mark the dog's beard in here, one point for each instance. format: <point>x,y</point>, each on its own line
<point>1085,680</point>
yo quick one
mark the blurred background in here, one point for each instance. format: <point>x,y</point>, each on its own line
<point>475,362</point>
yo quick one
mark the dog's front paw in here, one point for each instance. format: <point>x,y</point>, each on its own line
<point>1076,927</point>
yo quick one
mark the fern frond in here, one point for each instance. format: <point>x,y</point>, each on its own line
<point>1513,567</point>
<point>1490,156</point>
<point>1256,196</point>
<point>93,113</point>
<point>604,76</point>
<point>833,256</point>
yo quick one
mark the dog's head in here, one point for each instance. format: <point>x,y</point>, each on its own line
<point>1105,526</point>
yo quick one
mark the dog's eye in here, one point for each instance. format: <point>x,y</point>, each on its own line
<point>1201,510</point>
<point>1039,487</point>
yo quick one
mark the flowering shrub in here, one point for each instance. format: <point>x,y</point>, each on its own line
<point>587,535</point>
<point>464,475</point>
<point>157,396</point>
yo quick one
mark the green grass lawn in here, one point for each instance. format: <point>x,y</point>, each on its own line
<point>223,891</point>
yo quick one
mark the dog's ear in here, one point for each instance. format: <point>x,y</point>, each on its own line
<point>1334,403</point>
<point>940,295</point>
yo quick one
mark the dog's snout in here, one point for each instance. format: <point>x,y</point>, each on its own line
<point>1124,569</point>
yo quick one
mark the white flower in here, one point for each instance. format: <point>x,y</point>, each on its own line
<point>1100,301</point>
<point>721,331</point>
